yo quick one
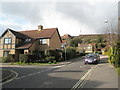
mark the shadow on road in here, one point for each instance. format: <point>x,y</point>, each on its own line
<point>92,84</point>
<point>71,71</point>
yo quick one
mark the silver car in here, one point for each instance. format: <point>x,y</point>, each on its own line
<point>91,58</point>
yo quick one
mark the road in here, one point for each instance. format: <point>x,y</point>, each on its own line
<point>62,76</point>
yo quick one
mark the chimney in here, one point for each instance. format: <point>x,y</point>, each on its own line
<point>40,27</point>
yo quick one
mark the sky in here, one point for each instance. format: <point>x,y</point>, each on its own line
<point>72,17</point>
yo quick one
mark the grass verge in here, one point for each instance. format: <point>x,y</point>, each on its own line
<point>118,70</point>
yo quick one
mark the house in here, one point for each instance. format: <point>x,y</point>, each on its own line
<point>86,48</point>
<point>30,41</point>
<point>105,49</point>
<point>65,40</point>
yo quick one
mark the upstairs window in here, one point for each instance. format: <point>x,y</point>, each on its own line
<point>43,41</point>
<point>8,40</point>
<point>27,40</point>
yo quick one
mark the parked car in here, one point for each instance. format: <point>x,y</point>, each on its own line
<point>92,58</point>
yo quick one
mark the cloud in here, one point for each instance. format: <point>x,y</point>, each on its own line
<point>92,16</point>
<point>69,17</point>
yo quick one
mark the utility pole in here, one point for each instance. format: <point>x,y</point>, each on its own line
<point>110,31</point>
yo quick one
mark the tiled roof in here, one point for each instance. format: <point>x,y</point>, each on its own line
<point>92,44</point>
<point>32,34</point>
<point>24,46</point>
<point>66,36</point>
<point>45,33</point>
<point>19,35</point>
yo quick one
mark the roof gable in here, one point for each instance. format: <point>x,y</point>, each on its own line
<point>17,34</point>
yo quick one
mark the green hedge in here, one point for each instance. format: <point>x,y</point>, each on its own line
<point>9,58</point>
<point>70,52</point>
<point>23,58</point>
<point>114,55</point>
<point>54,53</point>
<point>50,59</point>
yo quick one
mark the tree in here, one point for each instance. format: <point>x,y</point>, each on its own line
<point>74,42</point>
<point>100,39</point>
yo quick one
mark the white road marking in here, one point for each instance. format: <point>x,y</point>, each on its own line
<point>11,78</point>
<point>82,79</point>
<point>59,66</point>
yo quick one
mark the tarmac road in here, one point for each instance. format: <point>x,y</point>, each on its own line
<point>61,76</point>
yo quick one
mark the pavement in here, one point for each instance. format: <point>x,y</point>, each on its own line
<point>103,76</point>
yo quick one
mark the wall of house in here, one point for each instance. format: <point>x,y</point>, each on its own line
<point>34,46</point>
<point>43,47</point>
<point>26,51</point>
<point>89,49</point>
<point>55,41</point>
<point>7,47</point>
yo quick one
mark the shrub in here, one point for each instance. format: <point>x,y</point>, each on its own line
<point>82,54</point>
<point>54,53</point>
<point>5,59</point>
<point>50,59</point>
<point>114,55</point>
<point>9,58</point>
<point>23,58</point>
<point>70,52</point>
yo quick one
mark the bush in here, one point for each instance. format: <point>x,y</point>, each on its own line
<point>5,59</point>
<point>23,58</point>
<point>70,52</point>
<point>9,58</point>
<point>82,54</point>
<point>99,52</point>
<point>53,53</point>
<point>50,59</point>
<point>114,55</point>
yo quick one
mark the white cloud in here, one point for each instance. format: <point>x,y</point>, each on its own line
<point>70,18</point>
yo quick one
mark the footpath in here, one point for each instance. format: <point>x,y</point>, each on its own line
<point>103,76</point>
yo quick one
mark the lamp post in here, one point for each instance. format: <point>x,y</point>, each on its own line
<point>110,37</point>
<point>65,49</point>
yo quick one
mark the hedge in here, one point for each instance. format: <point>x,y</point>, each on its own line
<point>70,52</point>
<point>9,58</point>
<point>114,55</point>
<point>54,53</point>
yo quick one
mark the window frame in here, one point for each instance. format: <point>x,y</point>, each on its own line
<point>42,41</point>
<point>28,40</point>
<point>9,40</point>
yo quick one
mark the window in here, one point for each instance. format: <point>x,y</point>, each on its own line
<point>42,41</point>
<point>7,40</point>
<point>27,40</point>
<point>5,54</point>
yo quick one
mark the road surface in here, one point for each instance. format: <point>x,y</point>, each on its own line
<point>62,76</point>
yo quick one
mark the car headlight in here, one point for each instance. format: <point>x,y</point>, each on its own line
<point>94,59</point>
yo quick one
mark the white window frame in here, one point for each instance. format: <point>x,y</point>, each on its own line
<point>7,40</point>
<point>43,41</point>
